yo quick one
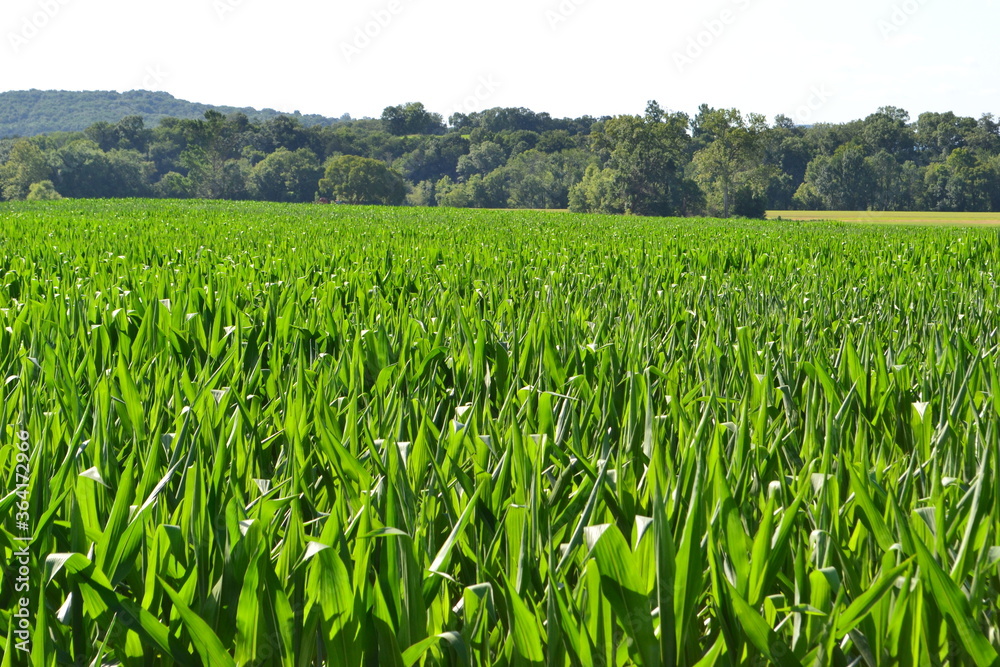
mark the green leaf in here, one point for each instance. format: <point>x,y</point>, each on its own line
<point>527,638</point>
<point>623,588</point>
<point>872,517</point>
<point>856,612</point>
<point>760,634</point>
<point>205,641</point>
<point>444,553</point>
<point>955,608</point>
<point>101,603</point>
<point>452,639</point>
<point>248,618</point>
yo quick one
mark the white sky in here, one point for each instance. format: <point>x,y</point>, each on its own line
<point>815,61</point>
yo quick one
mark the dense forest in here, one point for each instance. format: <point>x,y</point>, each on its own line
<point>719,162</point>
<point>26,113</point>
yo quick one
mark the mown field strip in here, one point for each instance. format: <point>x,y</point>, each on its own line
<point>269,434</point>
<point>891,217</point>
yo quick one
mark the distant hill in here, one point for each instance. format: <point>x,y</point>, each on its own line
<point>27,113</point>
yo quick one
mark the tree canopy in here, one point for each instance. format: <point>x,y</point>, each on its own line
<point>719,162</point>
<point>362,180</point>
<point>26,113</point>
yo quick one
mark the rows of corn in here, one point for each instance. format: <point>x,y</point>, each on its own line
<point>267,435</point>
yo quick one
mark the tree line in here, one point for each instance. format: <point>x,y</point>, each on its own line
<point>719,162</point>
<point>26,113</point>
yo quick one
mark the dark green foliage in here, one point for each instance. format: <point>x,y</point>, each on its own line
<point>25,166</point>
<point>25,113</point>
<point>748,203</point>
<point>287,176</point>
<point>645,157</point>
<point>360,180</point>
<point>731,165</point>
<point>411,118</point>
<point>720,162</point>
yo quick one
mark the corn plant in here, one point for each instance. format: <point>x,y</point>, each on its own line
<point>298,435</point>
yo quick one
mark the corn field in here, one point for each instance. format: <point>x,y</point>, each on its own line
<point>256,434</point>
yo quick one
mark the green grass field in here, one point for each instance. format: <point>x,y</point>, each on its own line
<point>261,434</point>
<point>891,217</point>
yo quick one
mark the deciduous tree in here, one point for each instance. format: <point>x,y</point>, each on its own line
<point>732,166</point>
<point>25,166</point>
<point>646,156</point>
<point>360,180</point>
<point>287,176</point>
